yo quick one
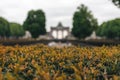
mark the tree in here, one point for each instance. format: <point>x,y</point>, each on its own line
<point>110,29</point>
<point>83,22</point>
<point>4,27</point>
<point>35,23</point>
<point>116,2</point>
<point>16,30</point>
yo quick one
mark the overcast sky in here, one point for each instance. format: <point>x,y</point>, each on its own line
<point>57,10</point>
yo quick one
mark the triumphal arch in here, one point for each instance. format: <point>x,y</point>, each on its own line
<point>60,31</point>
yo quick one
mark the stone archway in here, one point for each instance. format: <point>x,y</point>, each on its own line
<point>59,32</point>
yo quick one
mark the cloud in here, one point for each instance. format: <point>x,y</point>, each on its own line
<point>57,10</point>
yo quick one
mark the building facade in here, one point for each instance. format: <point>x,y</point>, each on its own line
<point>60,31</point>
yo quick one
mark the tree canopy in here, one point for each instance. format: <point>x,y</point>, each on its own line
<point>16,30</point>
<point>4,27</point>
<point>83,22</point>
<point>110,29</point>
<point>116,2</point>
<point>35,23</point>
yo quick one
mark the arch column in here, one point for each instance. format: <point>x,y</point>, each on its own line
<point>57,34</point>
<point>62,34</point>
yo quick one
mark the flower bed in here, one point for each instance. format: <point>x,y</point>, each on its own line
<point>40,62</point>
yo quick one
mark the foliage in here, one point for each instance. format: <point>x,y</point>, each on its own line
<point>83,22</point>
<point>110,29</point>
<point>35,23</point>
<point>16,30</point>
<point>40,62</point>
<point>116,2</point>
<point>4,27</point>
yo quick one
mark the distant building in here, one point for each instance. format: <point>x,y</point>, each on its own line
<point>93,36</point>
<point>27,35</point>
<point>60,31</point>
<point>47,36</point>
